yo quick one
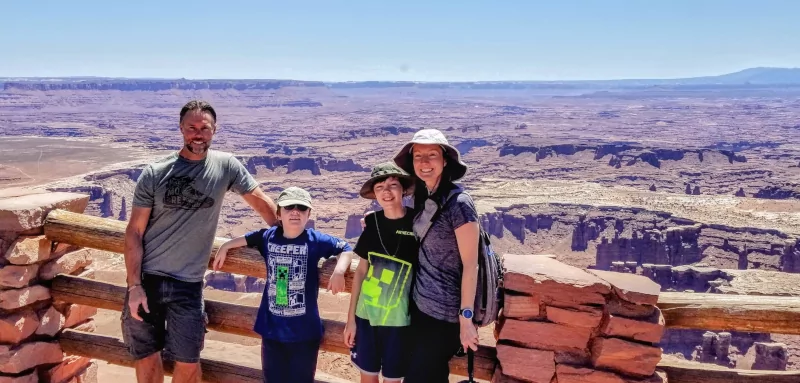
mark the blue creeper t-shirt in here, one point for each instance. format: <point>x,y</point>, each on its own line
<point>289,310</point>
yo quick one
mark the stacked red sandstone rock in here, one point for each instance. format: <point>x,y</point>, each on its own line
<point>566,325</point>
<point>29,320</point>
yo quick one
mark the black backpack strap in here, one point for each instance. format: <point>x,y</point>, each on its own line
<point>453,193</point>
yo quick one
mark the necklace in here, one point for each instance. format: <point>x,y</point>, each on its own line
<point>431,191</point>
<point>380,238</point>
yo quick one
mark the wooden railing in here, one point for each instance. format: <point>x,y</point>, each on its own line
<point>767,314</point>
<point>105,234</point>
<point>724,312</point>
<point>229,317</point>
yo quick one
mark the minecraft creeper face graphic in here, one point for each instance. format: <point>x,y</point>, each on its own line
<point>384,286</point>
<point>373,287</point>
<point>282,286</point>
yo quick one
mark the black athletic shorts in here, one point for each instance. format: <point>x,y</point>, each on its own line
<point>381,349</point>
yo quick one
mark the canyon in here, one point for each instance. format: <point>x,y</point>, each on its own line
<point>696,188</point>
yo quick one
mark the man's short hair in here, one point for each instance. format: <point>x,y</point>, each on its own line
<point>202,106</point>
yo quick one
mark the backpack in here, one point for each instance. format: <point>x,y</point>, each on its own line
<point>489,292</point>
<point>489,289</point>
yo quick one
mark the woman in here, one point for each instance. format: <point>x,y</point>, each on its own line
<point>447,227</point>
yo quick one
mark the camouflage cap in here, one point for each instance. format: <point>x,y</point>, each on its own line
<point>294,195</point>
<point>383,171</point>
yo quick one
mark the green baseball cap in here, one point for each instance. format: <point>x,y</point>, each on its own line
<point>383,171</point>
<point>294,195</point>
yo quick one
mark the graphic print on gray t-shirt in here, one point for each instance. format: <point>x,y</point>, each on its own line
<point>186,198</point>
<point>181,195</point>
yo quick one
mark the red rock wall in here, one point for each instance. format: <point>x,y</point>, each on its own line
<point>30,320</point>
<point>572,325</point>
<point>645,237</point>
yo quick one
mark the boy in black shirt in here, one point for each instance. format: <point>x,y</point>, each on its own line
<point>378,319</point>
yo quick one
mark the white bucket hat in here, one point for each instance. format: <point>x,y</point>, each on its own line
<point>455,166</point>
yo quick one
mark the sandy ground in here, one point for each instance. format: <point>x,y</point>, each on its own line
<point>227,347</point>
<point>30,161</point>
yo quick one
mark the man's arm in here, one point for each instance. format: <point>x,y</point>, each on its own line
<point>134,251</point>
<point>133,244</point>
<point>263,205</point>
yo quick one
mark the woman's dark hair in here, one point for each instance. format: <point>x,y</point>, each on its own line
<point>421,191</point>
<point>420,195</point>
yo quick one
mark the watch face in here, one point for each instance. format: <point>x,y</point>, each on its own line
<point>467,313</point>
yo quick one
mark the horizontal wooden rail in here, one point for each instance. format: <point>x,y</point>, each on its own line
<point>234,318</point>
<point>725,312</point>
<point>113,350</point>
<point>109,235</point>
<point>709,373</point>
<point>718,312</point>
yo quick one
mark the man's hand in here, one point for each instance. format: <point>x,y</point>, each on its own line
<point>137,297</point>
<point>133,259</point>
<point>336,284</point>
<point>469,334</point>
<point>219,258</point>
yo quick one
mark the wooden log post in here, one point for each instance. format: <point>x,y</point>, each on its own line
<point>113,350</point>
<point>724,312</point>
<point>235,319</point>
<point>710,373</point>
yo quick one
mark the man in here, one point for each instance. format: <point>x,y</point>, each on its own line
<point>168,243</point>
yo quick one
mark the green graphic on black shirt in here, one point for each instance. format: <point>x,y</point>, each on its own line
<point>384,292</point>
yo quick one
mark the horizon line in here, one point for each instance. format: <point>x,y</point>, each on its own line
<point>77,77</point>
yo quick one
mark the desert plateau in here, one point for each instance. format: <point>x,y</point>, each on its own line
<point>693,183</point>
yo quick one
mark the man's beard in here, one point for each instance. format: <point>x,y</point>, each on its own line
<point>197,148</point>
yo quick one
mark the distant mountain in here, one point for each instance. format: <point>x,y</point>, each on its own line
<point>752,77</point>
<point>150,84</point>
<point>755,76</point>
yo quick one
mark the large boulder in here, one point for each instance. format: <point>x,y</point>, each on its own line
<point>557,283</point>
<point>22,210</point>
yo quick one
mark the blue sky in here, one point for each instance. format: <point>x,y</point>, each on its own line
<point>341,40</point>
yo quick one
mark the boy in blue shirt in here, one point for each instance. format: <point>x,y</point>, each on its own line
<point>288,319</point>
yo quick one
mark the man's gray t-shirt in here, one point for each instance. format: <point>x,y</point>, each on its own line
<point>186,198</point>
<point>437,287</point>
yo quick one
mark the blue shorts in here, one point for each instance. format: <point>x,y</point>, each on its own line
<point>381,348</point>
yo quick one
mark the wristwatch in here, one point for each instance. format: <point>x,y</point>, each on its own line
<point>466,313</point>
